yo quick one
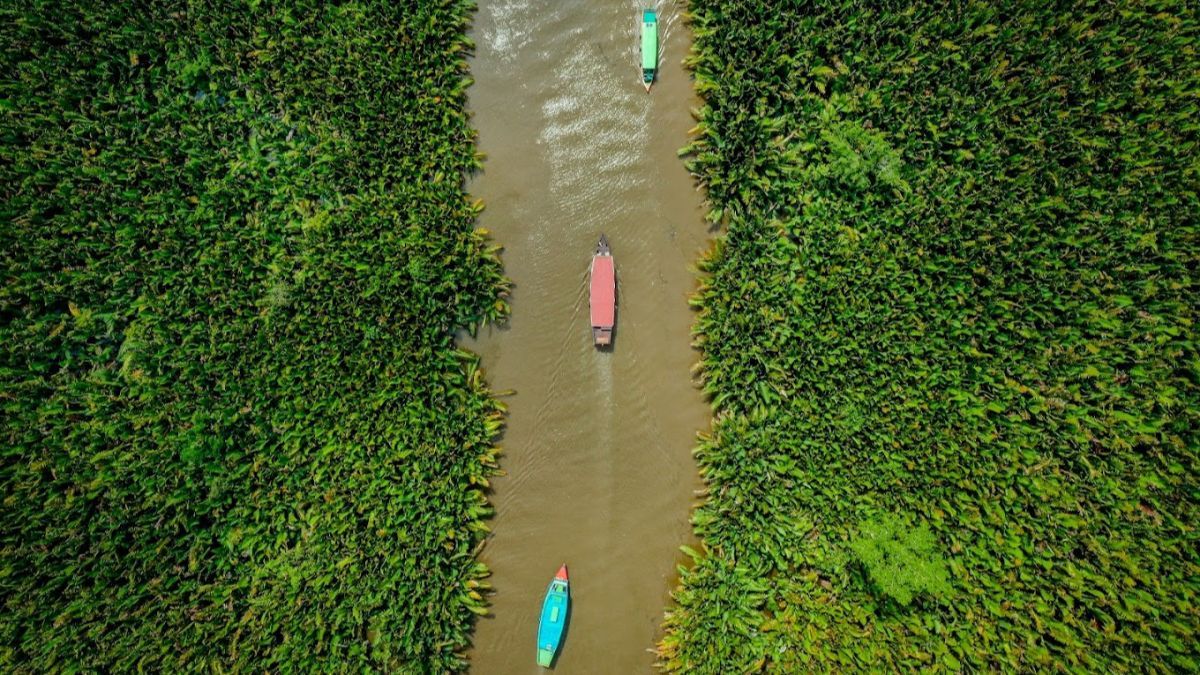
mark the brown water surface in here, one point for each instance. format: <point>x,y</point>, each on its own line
<point>598,444</point>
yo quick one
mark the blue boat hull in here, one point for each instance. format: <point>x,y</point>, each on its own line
<point>554,618</point>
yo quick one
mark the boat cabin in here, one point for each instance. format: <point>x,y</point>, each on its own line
<point>603,298</point>
<point>649,47</point>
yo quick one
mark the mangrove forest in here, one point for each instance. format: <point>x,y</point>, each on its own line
<point>237,434</point>
<point>949,336</point>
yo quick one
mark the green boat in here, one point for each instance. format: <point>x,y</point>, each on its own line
<point>649,48</point>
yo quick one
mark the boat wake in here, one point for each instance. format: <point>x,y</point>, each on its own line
<point>547,411</point>
<point>594,130</point>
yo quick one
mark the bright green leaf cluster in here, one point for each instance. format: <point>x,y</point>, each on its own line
<point>237,434</point>
<point>901,560</point>
<point>958,282</point>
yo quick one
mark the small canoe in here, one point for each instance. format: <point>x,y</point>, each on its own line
<point>649,47</point>
<point>603,301</point>
<point>554,618</point>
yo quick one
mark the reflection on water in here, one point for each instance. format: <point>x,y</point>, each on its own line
<point>598,444</point>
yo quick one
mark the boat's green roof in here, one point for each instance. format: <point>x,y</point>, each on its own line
<point>649,40</point>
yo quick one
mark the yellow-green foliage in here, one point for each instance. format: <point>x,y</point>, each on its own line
<point>902,561</point>
<point>958,283</point>
<point>234,243</point>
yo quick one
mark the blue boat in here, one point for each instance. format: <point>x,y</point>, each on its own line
<point>554,618</point>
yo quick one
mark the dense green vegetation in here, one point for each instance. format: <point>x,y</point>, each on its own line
<point>959,285</point>
<point>237,434</point>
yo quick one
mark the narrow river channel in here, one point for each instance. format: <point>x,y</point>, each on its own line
<point>598,444</point>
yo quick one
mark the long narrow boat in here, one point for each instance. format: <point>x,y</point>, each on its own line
<point>554,618</point>
<point>649,48</point>
<point>603,301</point>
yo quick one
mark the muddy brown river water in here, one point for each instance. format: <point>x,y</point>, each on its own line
<point>598,444</point>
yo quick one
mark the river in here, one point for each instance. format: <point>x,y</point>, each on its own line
<point>597,447</point>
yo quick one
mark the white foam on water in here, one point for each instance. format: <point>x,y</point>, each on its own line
<point>510,30</point>
<point>593,130</point>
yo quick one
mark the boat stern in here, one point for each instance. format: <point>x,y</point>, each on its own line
<point>545,657</point>
<point>602,336</point>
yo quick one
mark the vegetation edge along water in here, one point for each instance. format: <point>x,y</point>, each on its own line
<point>949,338</point>
<point>237,434</point>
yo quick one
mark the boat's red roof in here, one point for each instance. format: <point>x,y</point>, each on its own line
<point>604,290</point>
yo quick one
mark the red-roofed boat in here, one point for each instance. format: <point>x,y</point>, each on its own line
<point>604,294</point>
